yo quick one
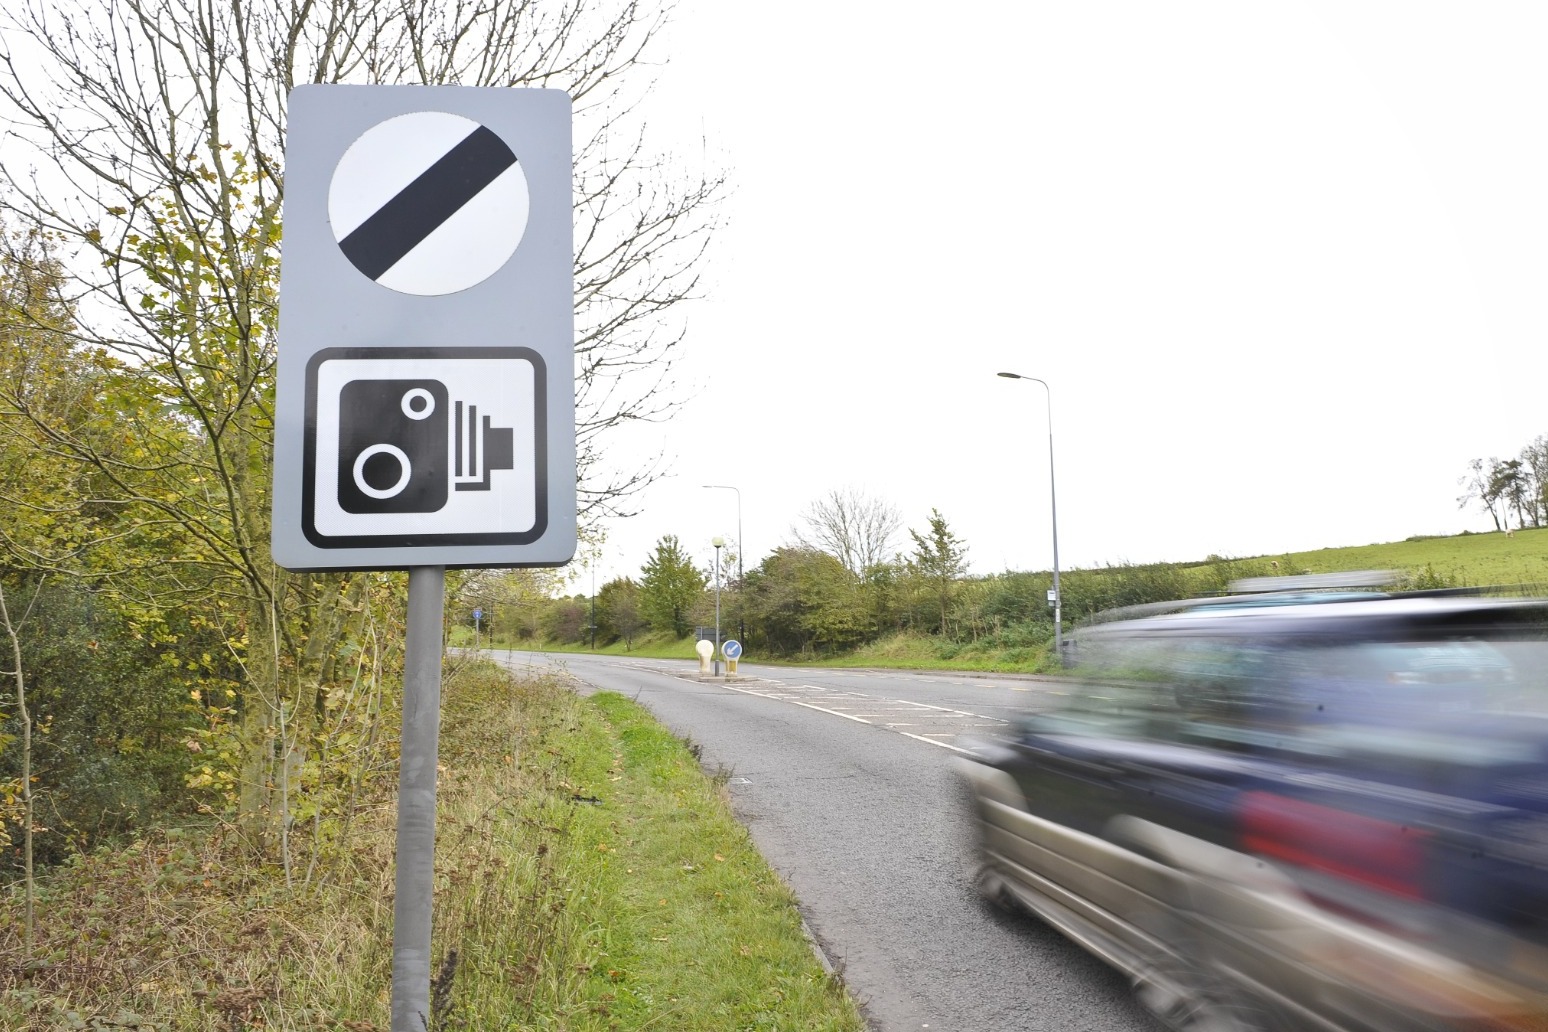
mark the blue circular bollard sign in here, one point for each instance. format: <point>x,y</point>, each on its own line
<point>731,648</point>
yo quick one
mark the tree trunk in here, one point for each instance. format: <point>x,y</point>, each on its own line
<point>26,766</point>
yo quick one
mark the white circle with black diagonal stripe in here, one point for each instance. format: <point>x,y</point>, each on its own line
<point>428,203</point>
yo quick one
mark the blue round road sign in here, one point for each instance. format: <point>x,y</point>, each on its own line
<point>731,648</point>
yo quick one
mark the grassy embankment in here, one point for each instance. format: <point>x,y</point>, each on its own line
<point>589,877</point>
<point>1471,560</point>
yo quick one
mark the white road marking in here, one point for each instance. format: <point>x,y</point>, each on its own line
<point>931,741</point>
<point>960,713</point>
<point>836,713</point>
<point>806,705</point>
<point>839,702</point>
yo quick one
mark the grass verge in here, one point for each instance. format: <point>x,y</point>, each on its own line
<point>589,877</point>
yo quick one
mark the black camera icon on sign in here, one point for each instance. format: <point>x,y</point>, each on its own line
<point>404,445</point>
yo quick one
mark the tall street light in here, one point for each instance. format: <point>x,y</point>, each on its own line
<point>741,548</point>
<point>1058,599</point>
<point>719,543</point>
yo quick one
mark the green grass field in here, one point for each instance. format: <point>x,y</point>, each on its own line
<point>1474,560</point>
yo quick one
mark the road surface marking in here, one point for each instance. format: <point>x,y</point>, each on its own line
<point>931,741</point>
<point>805,705</point>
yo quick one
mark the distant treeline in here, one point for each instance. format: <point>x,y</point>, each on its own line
<point>802,600</point>
<point>1510,489</point>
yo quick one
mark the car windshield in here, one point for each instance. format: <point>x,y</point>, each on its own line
<point>1463,696</point>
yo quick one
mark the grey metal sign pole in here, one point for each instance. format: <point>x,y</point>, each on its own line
<point>414,883</point>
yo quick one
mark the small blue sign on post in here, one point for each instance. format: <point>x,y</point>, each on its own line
<point>478,614</point>
<point>731,648</point>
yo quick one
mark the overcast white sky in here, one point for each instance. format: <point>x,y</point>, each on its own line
<point>1282,264</point>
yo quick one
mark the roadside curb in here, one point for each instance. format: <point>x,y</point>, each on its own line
<point>822,954</point>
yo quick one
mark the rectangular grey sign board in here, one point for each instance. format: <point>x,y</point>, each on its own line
<point>424,411</point>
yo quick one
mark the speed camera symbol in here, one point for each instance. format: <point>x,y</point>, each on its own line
<point>392,445</point>
<point>443,445</point>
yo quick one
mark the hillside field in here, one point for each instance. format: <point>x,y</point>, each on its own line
<point>1473,560</point>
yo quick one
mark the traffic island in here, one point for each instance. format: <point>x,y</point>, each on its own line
<point>709,662</point>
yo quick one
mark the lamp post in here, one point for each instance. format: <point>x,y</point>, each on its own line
<point>1058,599</point>
<point>719,543</point>
<point>741,550</point>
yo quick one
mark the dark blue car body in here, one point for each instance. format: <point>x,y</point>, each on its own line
<point>1294,812</point>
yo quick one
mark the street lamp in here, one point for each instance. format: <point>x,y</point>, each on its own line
<point>741,550</point>
<point>1058,599</point>
<point>719,543</point>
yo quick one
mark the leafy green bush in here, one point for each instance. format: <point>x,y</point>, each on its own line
<point>109,706</point>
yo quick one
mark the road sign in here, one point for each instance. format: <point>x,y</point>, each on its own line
<point>425,402</point>
<point>478,614</point>
<point>428,203</point>
<point>731,648</point>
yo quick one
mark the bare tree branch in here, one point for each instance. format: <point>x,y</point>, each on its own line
<point>144,152</point>
<point>856,529</point>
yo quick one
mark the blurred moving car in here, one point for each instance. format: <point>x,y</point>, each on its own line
<point>1293,811</point>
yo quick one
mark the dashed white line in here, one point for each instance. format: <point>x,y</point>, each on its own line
<point>805,705</point>
<point>957,712</point>
<point>838,701</point>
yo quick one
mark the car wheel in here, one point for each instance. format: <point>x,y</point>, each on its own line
<point>1180,988</point>
<point>1184,1001</point>
<point>995,890</point>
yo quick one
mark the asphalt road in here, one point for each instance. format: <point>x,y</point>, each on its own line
<point>844,779</point>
